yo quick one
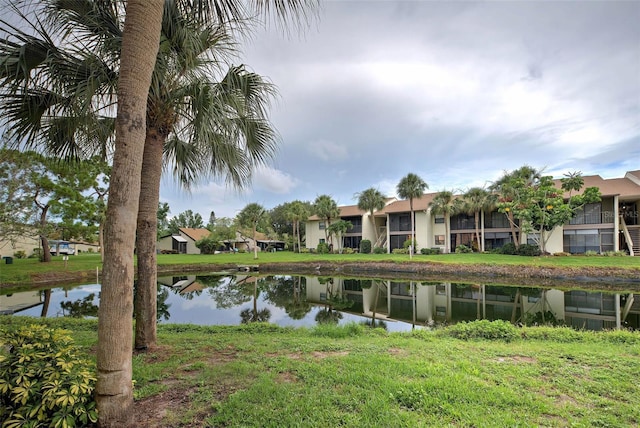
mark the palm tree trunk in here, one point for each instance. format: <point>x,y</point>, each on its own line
<point>140,42</point>
<point>413,229</point>
<point>476,216</point>
<point>147,230</point>
<point>255,244</point>
<point>46,250</point>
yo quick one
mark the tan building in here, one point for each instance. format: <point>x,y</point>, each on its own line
<point>609,225</point>
<point>183,242</point>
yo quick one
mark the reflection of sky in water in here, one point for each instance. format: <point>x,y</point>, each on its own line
<point>220,300</point>
<point>201,309</point>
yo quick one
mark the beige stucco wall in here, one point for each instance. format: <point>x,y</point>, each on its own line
<point>313,234</point>
<point>24,243</point>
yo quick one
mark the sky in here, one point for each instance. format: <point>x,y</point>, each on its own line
<point>455,92</point>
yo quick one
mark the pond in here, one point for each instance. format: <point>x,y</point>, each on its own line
<point>296,300</point>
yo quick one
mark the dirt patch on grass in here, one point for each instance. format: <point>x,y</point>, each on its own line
<point>318,355</point>
<point>151,411</point>
<point>517,359</point>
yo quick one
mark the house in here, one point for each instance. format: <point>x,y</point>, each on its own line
<point>242,242</point>
<point>183,242</point>
<point>609,225</point>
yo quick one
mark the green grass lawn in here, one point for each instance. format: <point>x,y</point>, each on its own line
<point>23,271</point>
<point>261,375</point>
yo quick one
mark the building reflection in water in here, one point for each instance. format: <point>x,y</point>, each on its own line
<point>437,303</point>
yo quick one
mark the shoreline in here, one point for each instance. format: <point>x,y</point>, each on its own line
<point>583,277</point>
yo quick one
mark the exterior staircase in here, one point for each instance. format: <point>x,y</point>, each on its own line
<point>632,236</point>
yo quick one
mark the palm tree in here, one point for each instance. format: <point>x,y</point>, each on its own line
<point>297,213</point>
<point>475,201</point>
<point>203,127</point>
<point>338,229</point>
<point>444,203</point>
<point>140,42</point>
<point>250,217</point>
<point>410,187</point>
<point>371,200</point>
<point>327,209</point>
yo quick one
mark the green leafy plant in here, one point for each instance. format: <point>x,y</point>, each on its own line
<point>483,329</point>
<point>429,251</point>
<point>322,248</point>
<point>379,250</point>
<point>529,250</point>
<point>43,382</point>
<point>365,246</point>
<point>463,249</point>
<point>20,255</point>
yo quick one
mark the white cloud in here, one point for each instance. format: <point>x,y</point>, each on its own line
<point>274,180</point>
<point>328,151</point>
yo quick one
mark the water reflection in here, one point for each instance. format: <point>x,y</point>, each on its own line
<point>290,300</point>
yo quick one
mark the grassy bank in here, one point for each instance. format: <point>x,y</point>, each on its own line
<point>83,266</point>
<point>264,376</point>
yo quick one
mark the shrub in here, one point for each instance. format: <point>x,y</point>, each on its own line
<point>322,248</point>
<point>590,253</point>
<point>348,250</point>
<point>42,380</point>
<point>304,250</point>
<point>462,249</point>
<point>379,250</point>
<point>529,250</point>
<point>20,255</point>
<point>429,251</point>
<point>208,245</point>
<point>509,248</point>
<point>365,246</point>
<point>483,329</point>
<point>561,254</point>
<point>399,251</point>
<point>406,244</point>
<point>615,253</point>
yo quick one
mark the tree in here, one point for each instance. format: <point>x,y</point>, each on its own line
<point>338,228</point>
<point>140,42</point>
<point>185,219</point>
<point>371,200</point>
<point>473,202</point>
<point>540,206</point>
<point>327,209</point>
<point>163,219</point>
<point>212,220</point>
<point>52,197</point>
<point>298,212</point>
<point>251,217</point>
<point>202,126</point>
<point>410,187</point>
<point>509,188</point>
<point>444,203</point>
<point>17,209</point>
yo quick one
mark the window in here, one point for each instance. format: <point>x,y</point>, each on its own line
<point>439,239</point>
<point>589,214</point>
<point>439,218</point>
<point>321,225</point>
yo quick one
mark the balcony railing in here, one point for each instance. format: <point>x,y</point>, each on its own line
<point>593,218</point>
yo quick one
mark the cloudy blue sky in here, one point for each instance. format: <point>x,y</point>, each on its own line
<point>456,92</point>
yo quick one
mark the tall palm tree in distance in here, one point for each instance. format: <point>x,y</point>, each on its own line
<point>371,200</point>
<point>327,209</point>
<point>474,202</point>
<point>444,203</point>
<point>411,187</point>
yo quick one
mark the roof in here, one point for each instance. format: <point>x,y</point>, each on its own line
<point>179,238</point>
<point>625,187</point>
<point>195,234</point>
<point>345,211</point>
<point>419,204</point>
